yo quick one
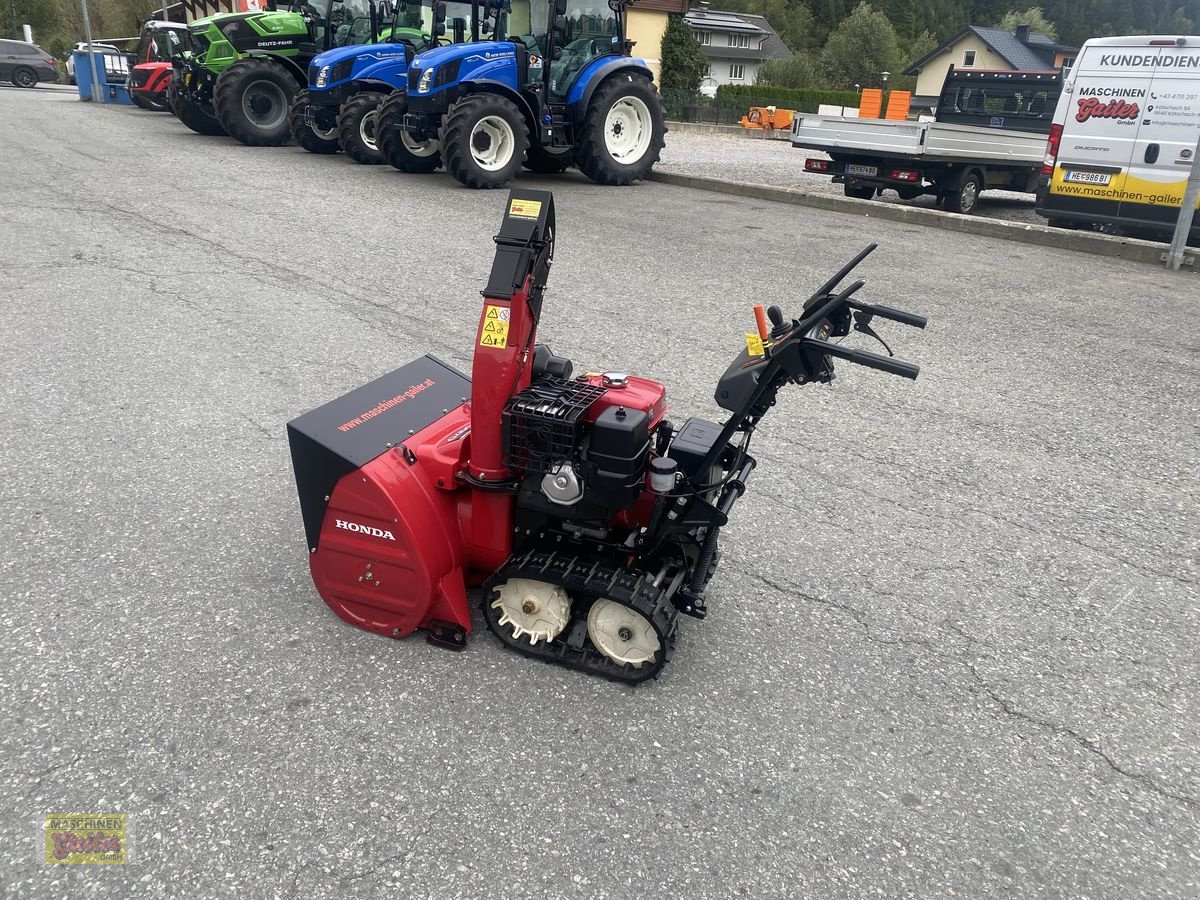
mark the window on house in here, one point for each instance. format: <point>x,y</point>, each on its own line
<point>968,58</point>
<point>1068,61</point>
<point>703,37</point>
<point>739,40</point>
<point>737,72</point>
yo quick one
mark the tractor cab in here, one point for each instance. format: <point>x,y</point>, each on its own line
<point>159,43</point>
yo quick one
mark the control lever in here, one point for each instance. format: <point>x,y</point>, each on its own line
<point>862,322</point>
<point>775,314</point>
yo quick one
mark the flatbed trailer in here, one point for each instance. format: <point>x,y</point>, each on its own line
<point>989,133</point>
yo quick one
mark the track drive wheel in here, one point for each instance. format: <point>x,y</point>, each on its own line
<point>484,138</point>
<point>398,148</point>
<point>622,634</point>
<point>545,161</point>
<point>532,610</point>
<point>253,102</point>
<point>623,132</point>
<point>358,128</point>
<point>197,117</point>
<point>311,136</point>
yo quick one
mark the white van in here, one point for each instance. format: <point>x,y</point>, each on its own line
<point>1124,134</point>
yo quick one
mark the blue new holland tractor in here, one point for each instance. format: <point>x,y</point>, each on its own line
<point>337,111</point>
<point>564,91</point>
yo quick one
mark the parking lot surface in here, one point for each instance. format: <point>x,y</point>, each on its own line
<point>951,649</point>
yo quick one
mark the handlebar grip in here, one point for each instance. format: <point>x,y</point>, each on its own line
<point>884,363</point>
<point>899,315</point>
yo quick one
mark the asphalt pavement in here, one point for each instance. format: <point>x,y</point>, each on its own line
<point>951,649</point>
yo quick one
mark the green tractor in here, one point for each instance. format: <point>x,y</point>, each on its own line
<point>244,69</point>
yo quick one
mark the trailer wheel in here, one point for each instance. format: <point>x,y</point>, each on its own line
<point>484,138</point>
<point>253,101</point>
<point>309,135</point>
<point>399,150</point>
<point>858,190</point>
<point>623,131</point>
<point>358,128</point>
<point>966,197</point>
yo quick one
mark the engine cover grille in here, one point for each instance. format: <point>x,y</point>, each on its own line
<point>541,424</point>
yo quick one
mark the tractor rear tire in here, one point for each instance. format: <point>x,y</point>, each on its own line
<point>484,138</point>
<point>398,149</point>
<point>306,135</point>
<point>545,161</point>
<point>623,132</point>
<point>358,128</point>
<point>196,117</point>
<point>253,101</point>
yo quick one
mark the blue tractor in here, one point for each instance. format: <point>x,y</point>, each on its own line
<point>337,111</point>
<point>564,91</point>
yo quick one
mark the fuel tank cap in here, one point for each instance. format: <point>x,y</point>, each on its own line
<point>614,379</point>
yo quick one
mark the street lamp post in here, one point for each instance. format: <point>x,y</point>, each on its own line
<point>884,76</point>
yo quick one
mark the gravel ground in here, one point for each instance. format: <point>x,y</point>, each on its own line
<point>950,649</point>
<point>777,162</point>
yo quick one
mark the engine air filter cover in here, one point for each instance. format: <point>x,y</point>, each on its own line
<point>542,423</point>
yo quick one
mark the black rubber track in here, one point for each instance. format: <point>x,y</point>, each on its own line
<point>460,119</point>
<point>389,137</point>
<point>302,132</point>
<point>586,580</point>
<point>591,154</point>
<point>350,137</point>
<point>227,101</point>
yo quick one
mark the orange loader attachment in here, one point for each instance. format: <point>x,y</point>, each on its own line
<point>769,118</point>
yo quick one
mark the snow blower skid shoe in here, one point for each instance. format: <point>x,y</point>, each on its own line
<point>589,520</point>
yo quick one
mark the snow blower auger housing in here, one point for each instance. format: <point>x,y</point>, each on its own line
<point>590,521</point>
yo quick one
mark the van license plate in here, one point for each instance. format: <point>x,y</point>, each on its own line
<point>852,169</point>
<point>1088,177</point>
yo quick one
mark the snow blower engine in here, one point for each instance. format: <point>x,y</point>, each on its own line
<point>590,521</point>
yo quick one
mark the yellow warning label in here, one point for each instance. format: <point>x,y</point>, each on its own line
<point>754,345</point>
<point>495,327</point>
<point>525,209</point>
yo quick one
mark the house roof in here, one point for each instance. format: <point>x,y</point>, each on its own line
<point>738,23</point>
<point>1037,52</point>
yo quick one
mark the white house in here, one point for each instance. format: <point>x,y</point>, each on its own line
<point>735,45</point>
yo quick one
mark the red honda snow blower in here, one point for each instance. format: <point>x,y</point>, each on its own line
<point>589,520</point>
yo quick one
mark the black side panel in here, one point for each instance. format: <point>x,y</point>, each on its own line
<point>347,433</point>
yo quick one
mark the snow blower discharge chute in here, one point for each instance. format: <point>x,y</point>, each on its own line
<point>588,519</point>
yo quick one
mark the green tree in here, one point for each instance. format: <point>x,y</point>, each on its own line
<point>683,63</point>
<point>801,71</point>
<point>1033,17</point>
<point>861,48</point>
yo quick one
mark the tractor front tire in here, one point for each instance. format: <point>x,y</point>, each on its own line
<point>358,128</point>
<point>545,161</point>
<point>196,117</point>
<point>399,149</point>
<point>307,135</point>
<point>623,132</point>
<point>253,102</point>
<point>484,138</point>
